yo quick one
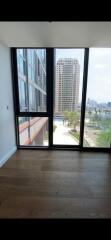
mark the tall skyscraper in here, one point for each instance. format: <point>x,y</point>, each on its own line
<point>67,85</point>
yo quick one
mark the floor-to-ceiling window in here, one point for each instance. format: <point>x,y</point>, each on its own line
<point>68,83</point>
<point>32,91</point>
<point>62,97</point>
<point>97,130</point>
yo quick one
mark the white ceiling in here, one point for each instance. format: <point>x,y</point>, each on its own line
<point>55,34</point>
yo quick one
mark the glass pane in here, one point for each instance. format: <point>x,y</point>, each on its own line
<point>22,94</point>
<point>33,131</point>
<point>32,105</point>
<point>67,96</point>
<point>32,69</point>
<point>97,131</point>
<point>29,73</point>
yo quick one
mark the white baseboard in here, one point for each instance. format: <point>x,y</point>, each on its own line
<point>7,156</point>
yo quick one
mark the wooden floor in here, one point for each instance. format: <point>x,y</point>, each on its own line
<point>56,184</point>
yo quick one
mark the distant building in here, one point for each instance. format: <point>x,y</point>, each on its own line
<point>109,104</point>
<point>91,103</point>
<point>31,65</point>
<point>67,85</point>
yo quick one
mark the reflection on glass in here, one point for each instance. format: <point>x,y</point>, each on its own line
<point>31,65</point>
<point>33,131</point>
<point>97,131</point>
<point>67,96</point>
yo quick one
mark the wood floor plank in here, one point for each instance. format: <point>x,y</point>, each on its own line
<point>55,184</point>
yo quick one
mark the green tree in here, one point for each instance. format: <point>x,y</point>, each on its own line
<point>54,127</point>
<point>104,138</point>
<point>105,124</point>
<point>73,119</point>
<point>90,114</point>
<point>96,118</point>
<point>99,111</point>
<point>65,116</point>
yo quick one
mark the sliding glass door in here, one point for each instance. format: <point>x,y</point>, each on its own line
<point>68,83</point>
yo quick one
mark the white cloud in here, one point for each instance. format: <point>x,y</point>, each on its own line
<point>99,66</point>
<point>99,52</point>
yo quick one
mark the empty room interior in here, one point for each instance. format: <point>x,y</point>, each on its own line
<point>55,119</point>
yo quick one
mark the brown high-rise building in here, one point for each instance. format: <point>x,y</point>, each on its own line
<point>67,85</point>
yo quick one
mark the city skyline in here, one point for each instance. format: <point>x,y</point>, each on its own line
<point>99,75</point>
<point>99,71</point>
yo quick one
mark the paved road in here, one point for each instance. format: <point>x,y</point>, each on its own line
<point>61,135</point>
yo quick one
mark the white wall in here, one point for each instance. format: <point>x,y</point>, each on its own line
<point>7,131</point>
<point>56,34</point>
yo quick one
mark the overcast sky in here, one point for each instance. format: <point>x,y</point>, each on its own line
<point>99,74</point>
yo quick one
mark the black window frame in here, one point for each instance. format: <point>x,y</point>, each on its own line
<point>50,100</point>
<point>17,112</point>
